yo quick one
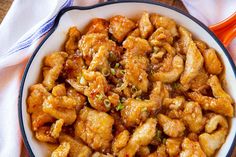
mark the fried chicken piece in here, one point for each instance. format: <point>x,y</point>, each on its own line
<point>192,116</point>
<point>185,39</point>
<point>77,147</point>
<point>173,146</point>
<point>76,85</point>
<point>217,89</point>
<point>216,132</point>
<point>137,111</point>
<point>94,128</point>
<point>73,36</point>
<point>160,36</point>
<point>37,94</point>
<point>43,134</point>
<point>79,98</point>
<point>100,61</point>
<point>135,71</point>
<point>62,150</point>
<point>98,25</point>
<point>120,141</point>
<point>145,26</point>
<point>173,74</point>
<point>201,45</point>
<point>159,93</point>
<point>59,90</point>
<point>73,66</point>
<point>194,61</point>
<point>165,22</point>
<point>56,128</point>
<point>90,43</point>
<point>120,26</point>
<point>137,45</point>
<point>97,89</point>
<point>174,103</point>
<point>142,136</point>
<point>213,64</point>
<point>191,149</point>
<point>166,64</point>
<point>218,105</point>
<point>171,127</point>
<point>39,118</point>
<point>61,108</point>
<point>135,33</point>
<point>53,65</point>
<point>199,83</point>
<point>157,56</point>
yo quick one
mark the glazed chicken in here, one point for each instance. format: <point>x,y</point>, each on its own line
<point>127,88</point>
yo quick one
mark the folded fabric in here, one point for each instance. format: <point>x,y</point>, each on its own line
<point>26,24</point>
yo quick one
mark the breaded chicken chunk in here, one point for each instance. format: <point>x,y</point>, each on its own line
<point>95,129</point>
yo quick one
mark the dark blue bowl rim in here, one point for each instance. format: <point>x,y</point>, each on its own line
<point>60,14</point>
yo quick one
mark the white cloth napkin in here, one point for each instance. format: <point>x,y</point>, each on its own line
<point>25,26</point>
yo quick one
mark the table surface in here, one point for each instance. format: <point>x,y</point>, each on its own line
<point>5,5</point>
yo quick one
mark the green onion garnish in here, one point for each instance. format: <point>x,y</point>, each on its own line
<point>164,141</point>
<point>117,65</point>
<point>134,89</point>
<point>159,135</point>
<point>119,107</point>
<point>113,72</point>
<point>107,103</point>
<point>122,72</point>
<point>105,72</point>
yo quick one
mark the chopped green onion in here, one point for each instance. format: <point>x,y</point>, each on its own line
<point>117,65</point>
<point>122,72</point>
<point>119,107</point>
<point>134,89</point>
<point>107,103</point>
<point>159,135</point>
<point>113,72</point>
<point>105,72</point>
<point>99,96</point>
<point>164,140</point>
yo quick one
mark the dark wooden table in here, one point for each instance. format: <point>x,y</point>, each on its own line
<point>5,5</point>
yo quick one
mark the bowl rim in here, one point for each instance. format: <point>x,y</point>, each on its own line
<point>56,22</point>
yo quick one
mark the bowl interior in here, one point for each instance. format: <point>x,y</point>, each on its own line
<point>80,18</point>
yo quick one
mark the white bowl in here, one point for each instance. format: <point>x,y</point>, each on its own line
<point>80,16</point>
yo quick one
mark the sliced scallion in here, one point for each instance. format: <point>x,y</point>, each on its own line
<point>119,107</point>
<point>113,71</point>
<point>107,103</point>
